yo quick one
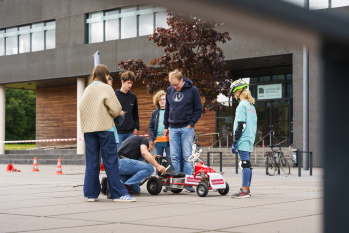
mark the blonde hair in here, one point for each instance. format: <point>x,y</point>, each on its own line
<point>157,96</point>
<point>247,95</point>
<point>175,74</point>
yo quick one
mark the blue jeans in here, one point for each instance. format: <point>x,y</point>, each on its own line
<point>181,140</point>
<point>123,137</point>
<point>246,172</point>
<point>94,142</point>
<point>160,150</point>
<point>134,171</point>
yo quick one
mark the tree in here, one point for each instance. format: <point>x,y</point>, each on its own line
<point>20,114</point>
<point>190,45</point>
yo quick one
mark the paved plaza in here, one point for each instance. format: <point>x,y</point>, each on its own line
<point>45,202</point>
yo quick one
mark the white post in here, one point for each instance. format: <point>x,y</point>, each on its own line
<point>2,117</point>
<point>80,148</point>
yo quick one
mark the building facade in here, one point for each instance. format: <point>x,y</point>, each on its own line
<point>48,45</point>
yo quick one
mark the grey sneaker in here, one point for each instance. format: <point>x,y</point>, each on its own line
<point>190,189</point>
<point>240,194</point>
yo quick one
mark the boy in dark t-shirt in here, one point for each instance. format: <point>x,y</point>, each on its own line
<point>132,170</point>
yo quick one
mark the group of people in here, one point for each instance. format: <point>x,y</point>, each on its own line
<point>110,123</point>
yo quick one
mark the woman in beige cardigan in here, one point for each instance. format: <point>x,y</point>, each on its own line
<point>98,106</point>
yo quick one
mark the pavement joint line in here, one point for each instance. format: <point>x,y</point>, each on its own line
<point>278,220</point>
<point>59,228</point>
<point>150,225</point>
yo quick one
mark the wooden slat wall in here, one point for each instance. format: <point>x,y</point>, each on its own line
<point>56,114</point>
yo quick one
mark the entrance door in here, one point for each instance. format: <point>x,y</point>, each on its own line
<point>273,116</point>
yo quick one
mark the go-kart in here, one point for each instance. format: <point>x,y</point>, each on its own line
<point>204,178</point>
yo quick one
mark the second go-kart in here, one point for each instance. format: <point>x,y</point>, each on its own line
<point>204,178</point>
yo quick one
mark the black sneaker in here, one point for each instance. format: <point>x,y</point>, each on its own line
<point>131,191</point>
<point>240,194</point>
<point>104,185</point>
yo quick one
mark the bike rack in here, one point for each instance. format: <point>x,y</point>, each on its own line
<point>299,160</point>
<point>220,159</point>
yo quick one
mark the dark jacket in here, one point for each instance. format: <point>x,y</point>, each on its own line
<point>129,104</point>
<point>153,124</point>
<point>183,108</point>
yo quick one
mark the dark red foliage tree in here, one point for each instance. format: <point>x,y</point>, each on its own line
<point>190,45</point>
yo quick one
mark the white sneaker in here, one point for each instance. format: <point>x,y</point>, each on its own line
<point>92,199</point>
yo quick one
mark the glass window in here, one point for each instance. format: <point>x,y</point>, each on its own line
<point>146,22</point>
<point>50,36</point>
<point>161,19</point>
<point>274,77</point>
<point>24,40</point>
<point>289,90</point>
<point>289,76</point>
<point>267,78</point>
<point>2,44</point>
<point>281,77</point>
<point>253,92</point>
<point>11,42</point>
<point>96,29</point>
<point>254,80</point>
<point>38,38</point>
<point>112,27</point>
<point>261,79</point>
<point>129,24</point>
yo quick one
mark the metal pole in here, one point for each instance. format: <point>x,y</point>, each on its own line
<point>306,100</point>
<point>2,117</point>
<point>255,155</point>
<point>299,162</point>
<point>236,163</point>
<point>220,161</point>
<point>311,163</point>
<point>208,158</point>
<point>329,4</point>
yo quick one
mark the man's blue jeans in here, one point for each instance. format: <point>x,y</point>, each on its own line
<point>246,172</point>
<point>104,141</point>
<point>134,171</point>
<point>181,140</point>
<point>160,150</point>
<point>123,137</point>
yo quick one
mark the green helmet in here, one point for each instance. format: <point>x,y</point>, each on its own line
<point>237,85</point>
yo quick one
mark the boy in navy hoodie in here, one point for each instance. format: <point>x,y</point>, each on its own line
<point>183,110</point>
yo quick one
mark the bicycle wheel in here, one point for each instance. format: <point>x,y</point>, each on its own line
<point>285,166</point>
<point>271,164</point>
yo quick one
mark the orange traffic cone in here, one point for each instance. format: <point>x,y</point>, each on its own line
<point>11,168</point>
<point>35,165</point>
<point>59,168</point>
<point>102,167</point>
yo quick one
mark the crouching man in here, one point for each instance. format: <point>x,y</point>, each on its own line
<point>132,170</point>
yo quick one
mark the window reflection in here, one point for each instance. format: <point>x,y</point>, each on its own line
<point>112,26</point>
<point>128,24</point>
<point>50,37</point>
<point>24,40</point>
<point>146,22</point>
<point>11,42</point>
<point>38,38</point>
<point>2,43</point>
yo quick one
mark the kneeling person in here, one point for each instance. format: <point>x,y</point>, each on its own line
<point>132,170</point>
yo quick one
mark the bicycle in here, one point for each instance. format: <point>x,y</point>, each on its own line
<point>276,160</point>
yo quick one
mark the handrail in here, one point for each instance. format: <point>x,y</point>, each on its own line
<point>262,138</point>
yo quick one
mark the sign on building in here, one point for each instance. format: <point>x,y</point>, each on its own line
<point>272,91</point>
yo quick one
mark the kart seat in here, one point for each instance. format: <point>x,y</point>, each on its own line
<point>166,161</point>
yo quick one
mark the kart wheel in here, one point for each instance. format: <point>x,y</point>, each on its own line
<point>154,186</point>
<point>104,185</point>
<point>176,190</point>
<point>224,191</point>
<point>202,190</point>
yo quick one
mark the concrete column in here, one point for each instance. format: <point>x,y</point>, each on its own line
<point>80,90</point>
<point>2,118</point>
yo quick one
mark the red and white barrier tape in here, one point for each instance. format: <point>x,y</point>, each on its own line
<point>53,140</point>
